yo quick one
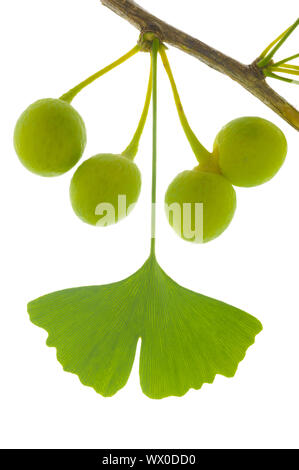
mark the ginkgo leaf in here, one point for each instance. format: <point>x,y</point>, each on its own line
<point>187,338</point>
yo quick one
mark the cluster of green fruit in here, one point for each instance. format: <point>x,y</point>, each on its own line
<point>247,152</point>
<point>50,138</point>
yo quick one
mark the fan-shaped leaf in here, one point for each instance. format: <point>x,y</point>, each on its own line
<point>187,338</point>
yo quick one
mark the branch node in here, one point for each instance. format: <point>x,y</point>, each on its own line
<point>248,76</point>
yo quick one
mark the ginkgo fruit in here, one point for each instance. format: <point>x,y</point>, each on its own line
<point>250,151</point>
<point>105,188</point>
<point>200,205</point>
<point>49,137</point>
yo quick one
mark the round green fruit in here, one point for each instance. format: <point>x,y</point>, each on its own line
<point>105,188</point>
<point>200,205</point>
<point>49,137</point>
<point>250,151</point>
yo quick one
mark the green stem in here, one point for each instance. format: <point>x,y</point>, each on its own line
<point>290,67</point>
<point>281,39</point>
<point>278,77</point>
<point>69,96</point>
<point>155,48</point>
<point>132,149</point>
<point>283,61</point>
<point>201,153</point>
<point>272,44</point>
<point>284,70</point>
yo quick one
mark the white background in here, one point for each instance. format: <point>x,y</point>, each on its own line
<point>46,48</point>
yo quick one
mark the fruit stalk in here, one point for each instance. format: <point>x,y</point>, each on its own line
<point>201,153</point>
<point>249,76</point>
<point>70,95</point>
<point>132,149</point>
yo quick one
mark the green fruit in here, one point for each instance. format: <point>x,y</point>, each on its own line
<point>49,137</point>
<point>250,151</point>
<point>217,203</point>
<point>104,189</point>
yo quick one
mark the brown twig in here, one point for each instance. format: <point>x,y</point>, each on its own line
<point>249,76</point>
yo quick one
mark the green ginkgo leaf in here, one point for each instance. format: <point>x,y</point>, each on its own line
<point>187,338</point>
